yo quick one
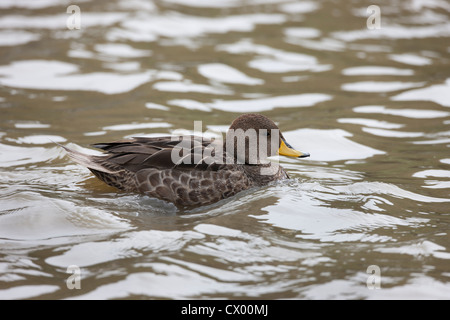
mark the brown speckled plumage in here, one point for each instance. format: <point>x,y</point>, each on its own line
<point>144,165</point>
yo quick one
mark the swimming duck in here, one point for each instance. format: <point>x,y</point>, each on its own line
<point>191,171</point>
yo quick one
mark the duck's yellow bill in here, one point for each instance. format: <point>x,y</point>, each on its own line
<point>286,150</point>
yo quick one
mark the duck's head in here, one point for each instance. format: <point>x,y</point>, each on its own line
<point>254,137</point>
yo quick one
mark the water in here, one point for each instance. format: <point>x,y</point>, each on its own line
<point>371,106</point>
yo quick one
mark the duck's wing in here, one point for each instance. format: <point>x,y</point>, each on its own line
<point>162,153</point>
<point>188,188</point>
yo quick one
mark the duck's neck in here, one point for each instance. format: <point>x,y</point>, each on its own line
<point>265,173</point>
<point>242,153</point>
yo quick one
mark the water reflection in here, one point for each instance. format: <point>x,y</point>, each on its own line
<point>373,86</point>
<point>376,71</point>
<point>409,113</point>
<point>371,106</point>
<point>330,145</point>
<point>438,93</point>
<point>57,75</point>
<point>223,73</point>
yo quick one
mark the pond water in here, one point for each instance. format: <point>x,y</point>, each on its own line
<point>371,105</point>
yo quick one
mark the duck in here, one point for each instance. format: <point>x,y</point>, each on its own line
<point>191,171</point>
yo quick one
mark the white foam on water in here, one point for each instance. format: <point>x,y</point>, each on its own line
<point>408,113</point>
<point>276,66</point>
<point>432,173</point>
<point>299,7</point>
<point>376,71</point>
<point>59,21</point>
<point>371,123</point>
<point>439,93</point>
<point>123,66</point>
<point>241,247</point>
<point>368,48</point>
<point>321,44</point>
<point>208,134</point>
<point>388,189</point>
<point>435,141</point>
<point>380,86</point>
<point>411,59</point>
<point>121,50</point>
<point>433,184</point>
<point>81,53</point>
<point>131,245</point>
<point>137,5</point>
<point>221,275</point>
<point>57,75</point>
<point>211,229</point>
<point>206,4</point>
<point>315,221</point>
<point>137,126</point>
<point>218,128</point>
<point>94,133</point>
<point>120,34</point>
<point>418,288</point>
<point>175,25</point>
<point>16,37</point>
<point>151,105</point>
<point>395,32</point>
<point>30,4</point>
<point>324,174</point>
<point>424,248</point>
<point>303,33</point>
<point>221,3</point>
<point>392,134</point>
<point>31,125</point>
<point>329,145</point>
<point>419,5</point>
<point>189,104</point>
<point>188,86</point>
<point>54,220</point>
<point>38,139</point>
<point>27,291</point>
<point>19,156</point>
<point>170,281</point>
<point>224,73</point>
<point>274,60</point>
<point>264,104</point>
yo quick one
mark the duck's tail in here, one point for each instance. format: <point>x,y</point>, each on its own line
<point>110,173</point>
<point>89,161</point>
